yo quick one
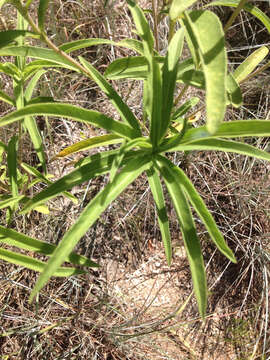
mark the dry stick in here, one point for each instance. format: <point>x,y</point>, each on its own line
<point>234,15</point>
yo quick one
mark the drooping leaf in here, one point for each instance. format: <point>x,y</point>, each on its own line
<point>74,113</point>
<point>187,226</point>
<point>89,216</point>
<point>157,192</point>
<point>33,264</point>
<point>87,169</point>
<point>14,238</point>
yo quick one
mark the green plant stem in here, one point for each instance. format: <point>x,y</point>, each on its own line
<point>234,15</point>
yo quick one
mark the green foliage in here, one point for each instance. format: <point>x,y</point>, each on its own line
<point>169,129</point>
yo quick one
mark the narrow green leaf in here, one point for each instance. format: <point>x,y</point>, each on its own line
<point>87,169</point>
<point>156,189</point>
<point>230,129</point>
<point>142,26</point>
<point>201,209</point>
<point>89,216</point>
<point>252,9</point>
<point>4,97</point>
<point>184,108</point>
<point>12,165</point>
<point>250,63</point>
<point>37,53</point>
<point>42,8</point>
<point>191,241</point>
<point>11,201</point>
<point>177,7</point>
<point>132,44</point>
<point>223,145</point>
<point>31,170</point>
<point>154,88</point>
<point>208,37</point>
<point>37,265</point>
<point>93,142</point>
<point>122,108</point>
<point>74,113</point>
<point>14,238</point>
<point>169,74</point>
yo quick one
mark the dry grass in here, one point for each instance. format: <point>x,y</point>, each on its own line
<point>134,306</point>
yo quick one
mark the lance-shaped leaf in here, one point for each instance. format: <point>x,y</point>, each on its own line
<point>223,145</point>
<point>132,44</point>
<point>126,114</point>
<point>87,169</point>
<point>208,37</point>
<point>14,238</point>
<point>89,216</point>
<point>93,142</point>
<point>30,122</point>
<point>157,192</point>
<point>142,27</point>
<point>6,98</point>
<point>231,129</point>
<point>37,53</point>
<point>250,63</point>
<point>12,165</point>
<point>10,201</point>
<point>233,91</point>
<point>40,177</point>
<point>191,241</point>
<point>34,264</point>
<point>252,9</point>
<point>169,74</point>
<point>74,113</point>
<point>201,209</point>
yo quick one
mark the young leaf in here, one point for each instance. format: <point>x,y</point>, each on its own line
<point>89,216</point>
<point>93,142</point>
<point>233,91</point>
<point>74,113</point>
<point>208,36</point>
<point>11,201</point>
<point>250,63</point>
<point>157,192</point>
<point>191,241</point>
<point>4,97</point>
<point>169,74</point>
